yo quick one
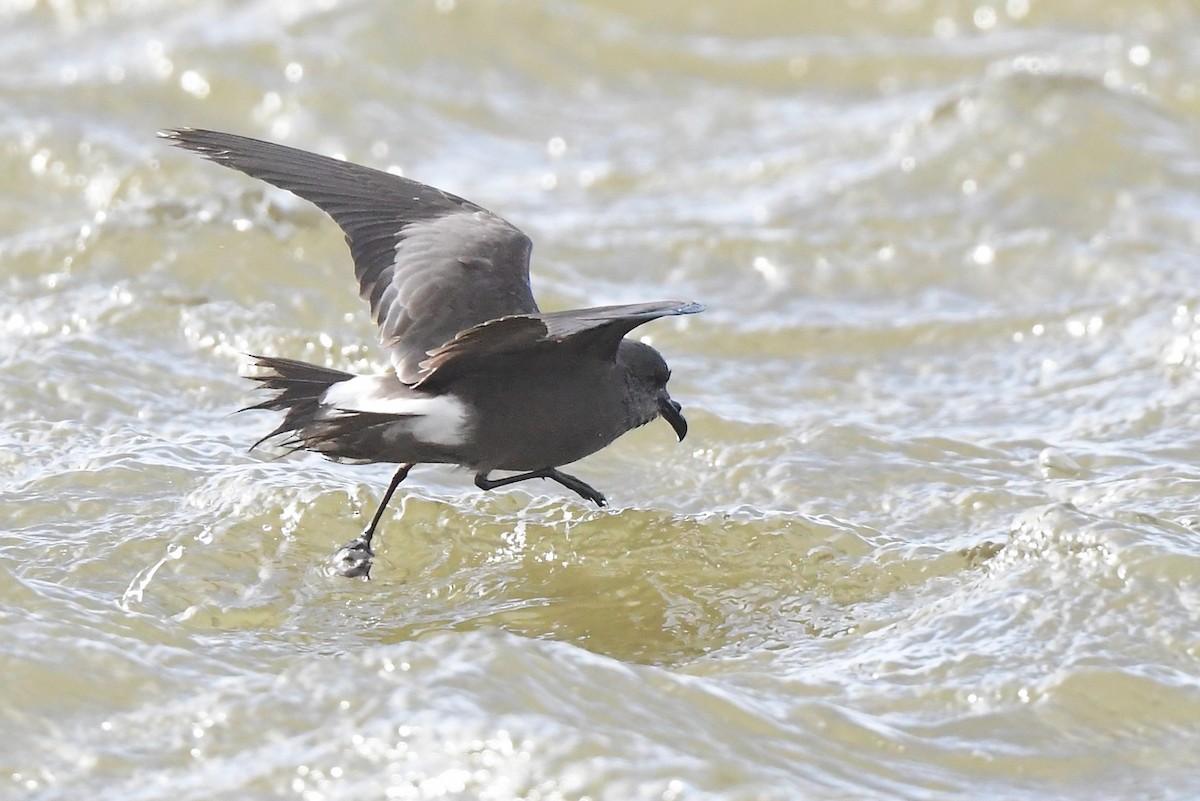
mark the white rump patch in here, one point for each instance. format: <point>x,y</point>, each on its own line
<point>436,419</point>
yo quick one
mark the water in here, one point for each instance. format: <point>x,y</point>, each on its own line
<point>934,533</point>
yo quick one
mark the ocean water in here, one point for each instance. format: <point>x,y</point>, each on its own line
<point>935,531</point>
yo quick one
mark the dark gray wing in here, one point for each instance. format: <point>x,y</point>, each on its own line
<point>498,345</point>
<point>429,263</point>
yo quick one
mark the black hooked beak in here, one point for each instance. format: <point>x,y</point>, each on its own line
<point>672,412</point>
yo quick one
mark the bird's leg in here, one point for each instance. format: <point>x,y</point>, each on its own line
<point>581,488</point>
<point>354,558</point>
<point>567,480</point>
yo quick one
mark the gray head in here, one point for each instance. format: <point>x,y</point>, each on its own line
<point>647,374</point>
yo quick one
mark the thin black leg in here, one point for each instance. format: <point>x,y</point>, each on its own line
<point>584,490</point>
<point>567,480</point>
<point>401,474</point>
<point>354,558</point>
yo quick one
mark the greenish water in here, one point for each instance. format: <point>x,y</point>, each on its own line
<point>934,533</point>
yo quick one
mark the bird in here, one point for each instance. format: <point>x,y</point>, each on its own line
<point>479,376</point>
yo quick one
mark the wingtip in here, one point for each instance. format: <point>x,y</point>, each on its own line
<point>172,133</point>
<point>197,140</point>
<point>684,307</point>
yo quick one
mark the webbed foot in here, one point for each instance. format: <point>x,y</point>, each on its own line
<point>353,559</point>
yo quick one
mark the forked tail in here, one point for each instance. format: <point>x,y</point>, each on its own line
<point>298,388</point>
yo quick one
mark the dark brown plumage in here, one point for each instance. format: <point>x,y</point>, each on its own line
<point>482,378</point>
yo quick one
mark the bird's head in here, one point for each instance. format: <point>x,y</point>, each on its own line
<point>647,375</point>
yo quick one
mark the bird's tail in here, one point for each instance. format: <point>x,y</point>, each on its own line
<point>298,387</point>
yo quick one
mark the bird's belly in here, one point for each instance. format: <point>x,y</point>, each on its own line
<point>544,449</point>
<point>531,427</point>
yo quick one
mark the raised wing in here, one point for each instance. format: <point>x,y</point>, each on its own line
<point>495,346</point>
<point>429,263</point>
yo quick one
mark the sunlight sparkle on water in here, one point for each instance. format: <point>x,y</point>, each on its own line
<point>194,84</point>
